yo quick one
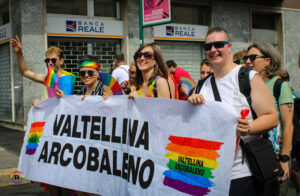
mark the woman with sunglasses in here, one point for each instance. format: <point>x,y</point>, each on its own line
<point>266,60</point>
<point>223,86</point>
<point>151,73</point>
<point>89,71</point>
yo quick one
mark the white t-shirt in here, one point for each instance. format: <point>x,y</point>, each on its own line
<point>228,88</point>
<point>121,73</point>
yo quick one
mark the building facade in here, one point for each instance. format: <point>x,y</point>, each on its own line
<point>105,27</point>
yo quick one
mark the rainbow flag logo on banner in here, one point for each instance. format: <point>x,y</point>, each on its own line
<point>35,133</point>
<point>191,164</point>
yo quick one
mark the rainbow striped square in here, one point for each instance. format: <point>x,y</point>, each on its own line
<point>35,133</point>
<point>191,162</point>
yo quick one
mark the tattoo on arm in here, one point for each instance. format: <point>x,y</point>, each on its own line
<point>290,105</point>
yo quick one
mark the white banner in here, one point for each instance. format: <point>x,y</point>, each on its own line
<point>146,146</point>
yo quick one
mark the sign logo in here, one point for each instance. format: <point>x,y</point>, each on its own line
<point>16,177</point>
<point>35,133</point>
<point>191,164</point>
<point>71,26</point>
<point>170,30</point>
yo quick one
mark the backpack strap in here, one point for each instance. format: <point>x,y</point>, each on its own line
<point>245,87</point>
<point>277,89</point>
<point>215,88</point>
<point>200,84</point>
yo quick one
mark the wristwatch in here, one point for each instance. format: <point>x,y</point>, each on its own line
<point>284,158</point>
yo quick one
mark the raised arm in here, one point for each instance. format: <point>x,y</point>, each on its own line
<point>23,67</point>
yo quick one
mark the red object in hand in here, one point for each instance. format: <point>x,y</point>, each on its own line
<point>244,114</point>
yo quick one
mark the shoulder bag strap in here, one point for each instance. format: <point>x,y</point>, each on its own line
<point>277,89</point>
<point>245,87</point>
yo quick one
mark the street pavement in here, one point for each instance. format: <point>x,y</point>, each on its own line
<point>10,146</point>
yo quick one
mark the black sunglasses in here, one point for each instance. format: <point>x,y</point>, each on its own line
<point>147,55</point>
<point>89,72</point>
<point>217,45</point>
<point>253,57</point>
<point>53,60</point>
<point>131,72</point>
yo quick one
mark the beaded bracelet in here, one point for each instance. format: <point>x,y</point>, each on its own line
<point>249,131</point>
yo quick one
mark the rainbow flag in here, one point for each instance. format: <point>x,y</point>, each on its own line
<point>65,83</point>
<point>35,133</point>
<point>191,164</point>
<point>50,78</point>
<point>188,84</point>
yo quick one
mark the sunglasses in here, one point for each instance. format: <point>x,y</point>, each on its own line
<point>239,62</point>
<point>131,72</point>
<point>147,55</point>
<point>53,60</point>
<point>217,45</point>
<point>253,57</point>
<point>89,72</point>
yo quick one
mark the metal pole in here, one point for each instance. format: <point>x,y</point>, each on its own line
<point>141,28</point>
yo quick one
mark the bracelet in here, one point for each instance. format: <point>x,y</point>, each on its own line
<point>249,131</point>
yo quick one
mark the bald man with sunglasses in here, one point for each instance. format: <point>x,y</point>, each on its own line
<point>54,59</point>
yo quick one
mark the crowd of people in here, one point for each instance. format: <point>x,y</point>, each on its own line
<point>151,76</point>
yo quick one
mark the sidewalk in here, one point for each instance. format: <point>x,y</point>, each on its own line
<point>10,146</point>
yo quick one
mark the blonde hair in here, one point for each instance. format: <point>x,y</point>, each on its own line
<point>240,55</point>
<point>54,50</point>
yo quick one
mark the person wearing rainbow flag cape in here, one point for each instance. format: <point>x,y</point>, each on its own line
<point>56,80</point>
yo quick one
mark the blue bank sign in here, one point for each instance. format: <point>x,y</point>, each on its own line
<point>180,32</point>
<point>83,27</point>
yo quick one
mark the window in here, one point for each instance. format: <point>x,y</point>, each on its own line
<point>197,15</point>
<point>105,8</point>
<point>70,7</point>
<point>4,12</point>
<point>267,28</point>
<point>264,20</point>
